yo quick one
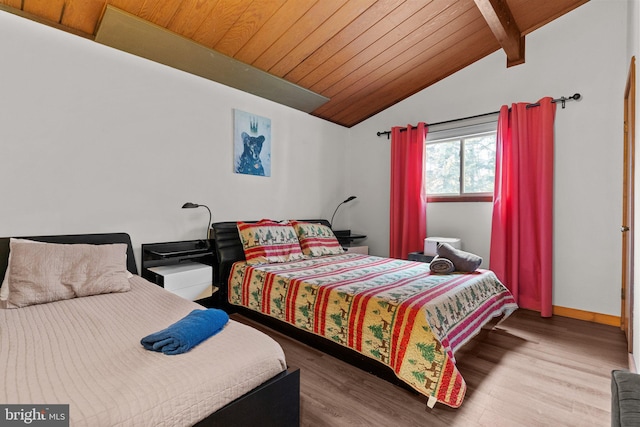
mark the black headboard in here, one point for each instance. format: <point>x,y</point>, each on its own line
<point>228,246</point>
<point>95,239</point>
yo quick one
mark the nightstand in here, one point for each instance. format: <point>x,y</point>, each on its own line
<point>345,238</point>
<point>420,257</point>
<point>185,268</point>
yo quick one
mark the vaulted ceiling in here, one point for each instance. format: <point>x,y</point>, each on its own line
<point>362,55</point>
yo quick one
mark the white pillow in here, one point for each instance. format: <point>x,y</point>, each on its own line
<point>45,272</point>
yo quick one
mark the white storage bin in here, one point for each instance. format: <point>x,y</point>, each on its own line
<point>431,244</point>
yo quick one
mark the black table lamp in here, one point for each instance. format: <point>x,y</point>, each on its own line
<point>190,205</point>
<point>350,198</point>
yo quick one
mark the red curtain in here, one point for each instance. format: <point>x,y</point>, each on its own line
<point>522,221</point>
<point>408,213</point>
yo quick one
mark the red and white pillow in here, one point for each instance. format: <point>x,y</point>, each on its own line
<point>316,239</point>
<point>268,241</point>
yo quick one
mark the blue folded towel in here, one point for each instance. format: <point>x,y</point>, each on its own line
<point>187,332</point>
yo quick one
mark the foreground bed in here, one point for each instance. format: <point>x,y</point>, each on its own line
<point>395,312</point>
<point>86,352</point>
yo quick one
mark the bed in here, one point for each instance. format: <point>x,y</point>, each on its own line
<point>389,312</point>
<point>85,351</point>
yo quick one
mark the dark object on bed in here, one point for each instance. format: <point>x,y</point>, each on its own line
<point>462,261</point>
<point>625,399</point>
<point>440,265</point>
<point>274,403</point>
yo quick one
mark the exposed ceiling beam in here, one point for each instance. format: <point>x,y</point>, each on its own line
<point>132,34</point>
<point>504,28</point>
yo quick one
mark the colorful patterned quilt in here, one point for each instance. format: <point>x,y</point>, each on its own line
<point>394,311</point>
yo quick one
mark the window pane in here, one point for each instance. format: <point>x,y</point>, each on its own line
<point>479,164</point>
<point>443,167</point>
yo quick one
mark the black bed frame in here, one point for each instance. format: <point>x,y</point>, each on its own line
<point>275,403</point>
<point>228,247</point>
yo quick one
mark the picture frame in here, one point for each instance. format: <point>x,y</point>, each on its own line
<point>251,144</point>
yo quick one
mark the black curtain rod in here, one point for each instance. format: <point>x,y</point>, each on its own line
<point>562,100</point>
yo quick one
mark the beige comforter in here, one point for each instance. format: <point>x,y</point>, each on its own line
<point>86,352</point>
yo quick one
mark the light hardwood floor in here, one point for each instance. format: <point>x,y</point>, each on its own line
<point>527,371</point>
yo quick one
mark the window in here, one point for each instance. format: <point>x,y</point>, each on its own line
<point>460,163</point>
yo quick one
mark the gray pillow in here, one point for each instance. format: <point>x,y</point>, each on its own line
<point>462,261</point>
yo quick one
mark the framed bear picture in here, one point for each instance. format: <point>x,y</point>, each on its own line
<point>251,144</point>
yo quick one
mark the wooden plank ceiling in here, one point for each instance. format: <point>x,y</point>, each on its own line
<point>364,55</point>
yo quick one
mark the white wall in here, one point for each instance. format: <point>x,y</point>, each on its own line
<point>583,51</point>
<point>96,140</point>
